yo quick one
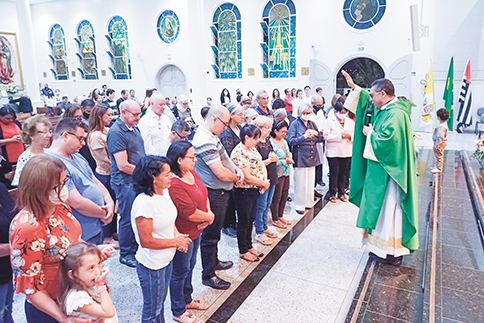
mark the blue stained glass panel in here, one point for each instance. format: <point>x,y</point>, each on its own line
<point>363,14</point>
<point>228,48</point>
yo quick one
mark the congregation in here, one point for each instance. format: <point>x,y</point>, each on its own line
<point>144,177</point>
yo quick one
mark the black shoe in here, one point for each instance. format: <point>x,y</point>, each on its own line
<point>300,211</point>
<point>216,282</point>
<point>316,194</point>
<point>224,265</point>
<point>391,260</point>
<point>128,260</point>
<point>322,184</point>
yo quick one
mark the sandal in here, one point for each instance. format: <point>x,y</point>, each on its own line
<point>256,253</point>
<point>187,317</point>
<point>279,224</point>
<point>332,199</point>
<point>285,221</point>
<point>249,257</point>
<point>270,234</point>
<point>262,238</point>
<point>197,304</point>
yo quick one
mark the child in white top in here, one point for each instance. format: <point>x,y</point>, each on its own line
<point>439,138</point>
<point>83,289</point>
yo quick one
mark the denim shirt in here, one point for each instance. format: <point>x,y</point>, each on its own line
<point>305,153</point>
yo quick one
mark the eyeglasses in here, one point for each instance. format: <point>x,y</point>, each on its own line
<point>180,136</point>
<point>45,132</point>
<point>191,157</point>
<point>134,114</point>
<point>225,123</point>
<point>80,138</point>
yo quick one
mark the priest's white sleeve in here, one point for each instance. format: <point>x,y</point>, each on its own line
<point>352,100</point>
<point>368,152</point>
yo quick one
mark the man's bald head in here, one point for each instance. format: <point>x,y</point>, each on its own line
<point>218,118</point>
<point>158,103</point>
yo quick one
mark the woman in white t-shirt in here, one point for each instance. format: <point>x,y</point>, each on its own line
<point>153,220</point>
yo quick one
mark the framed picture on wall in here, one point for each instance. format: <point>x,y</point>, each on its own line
<point>10,68</point>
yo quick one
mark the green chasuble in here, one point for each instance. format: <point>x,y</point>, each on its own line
<point>392,142</point>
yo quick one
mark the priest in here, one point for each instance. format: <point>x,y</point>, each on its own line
<point>383,171</point>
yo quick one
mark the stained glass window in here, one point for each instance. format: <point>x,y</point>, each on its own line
<point>227,48</point>
<point>363,14</point>
<point>59,57</point>
<point>87,50</point>
<point>168,26</point>
<point>279,34</point>
<point>119,53</point>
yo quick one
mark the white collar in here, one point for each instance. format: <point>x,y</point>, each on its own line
<point>386,105</point>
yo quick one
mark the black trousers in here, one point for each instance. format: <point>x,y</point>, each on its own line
<point>219,201</point>
<point>230,217</point>
<point>245,200</point>
<point>280,197</point>
<point>338,173</point>
<point>319,175</point>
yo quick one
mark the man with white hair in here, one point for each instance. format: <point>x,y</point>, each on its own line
<point>219,174</point>
<point>262,99</point>
<point>182,109</point>
<point>155,126</point>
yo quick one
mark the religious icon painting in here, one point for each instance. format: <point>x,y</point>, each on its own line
<point>168,26</point>
<point>10,69</point>
<point>363,14</point>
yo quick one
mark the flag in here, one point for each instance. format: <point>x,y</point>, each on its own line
<point>464,119</point>
<point>449,95</point>
<point>429,101</point>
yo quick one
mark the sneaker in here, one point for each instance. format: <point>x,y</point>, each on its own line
<point>128,260</point>
<point>231,232</point>
<point>187,317</point>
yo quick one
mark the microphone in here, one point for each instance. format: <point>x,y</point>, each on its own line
<point>369,113</point>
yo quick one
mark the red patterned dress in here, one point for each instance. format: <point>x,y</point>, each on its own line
<point>37,246</point>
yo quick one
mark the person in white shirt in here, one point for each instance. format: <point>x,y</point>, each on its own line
<point>155,126</point>
<point>338,133</point>
<point>307,94</point>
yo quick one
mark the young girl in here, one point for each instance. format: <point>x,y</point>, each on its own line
<point>83,289</point>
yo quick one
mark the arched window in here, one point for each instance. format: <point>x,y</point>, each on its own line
<point>57,44</point>
<point>119,53</point>
<point>364,72</point>
<point>227,48</point>
<point>279,34</point>
<point>87,50</point>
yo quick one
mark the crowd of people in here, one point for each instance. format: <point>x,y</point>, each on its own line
<point>144,173</point>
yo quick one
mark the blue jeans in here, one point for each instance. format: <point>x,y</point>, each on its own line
<point>125,196</point>
<point>34,315</point>
<point>6,301</point>
<point>154,285</point>
<point>181,288</point>
<point>261,208</point>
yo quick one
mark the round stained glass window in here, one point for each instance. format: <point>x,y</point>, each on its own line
<point>363,14</point>
<point>168,26</point>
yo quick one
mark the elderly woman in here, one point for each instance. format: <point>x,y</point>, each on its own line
<point>249,116</point>
<point>230,138</point>
<point>39,235</point>
<point>263,234</point>
<point>153,219</point>
<point>10,138</point>
<point>190,197</point>
<point>281,148</point>
<point>245,102</point>
<point>338,133</point>
<point>246,157</point>
<point>302,136</point>
<point>36,135</point>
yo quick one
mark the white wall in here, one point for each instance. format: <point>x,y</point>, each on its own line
<point>455,28</point>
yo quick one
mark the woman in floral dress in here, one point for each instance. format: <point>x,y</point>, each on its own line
<point>39,235</point>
